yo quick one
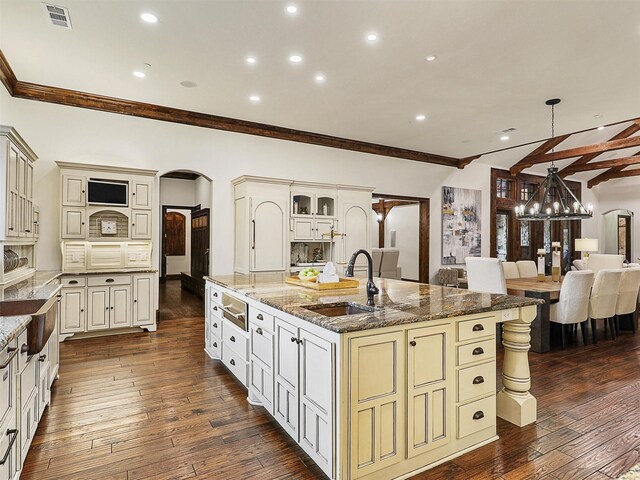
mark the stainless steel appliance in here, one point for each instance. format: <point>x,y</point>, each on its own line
<point>235,310</point>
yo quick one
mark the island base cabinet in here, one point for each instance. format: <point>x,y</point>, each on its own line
<point>286,377</point>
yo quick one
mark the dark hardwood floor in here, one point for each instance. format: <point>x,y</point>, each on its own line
<point>176,303</point>
<point>153,406</point>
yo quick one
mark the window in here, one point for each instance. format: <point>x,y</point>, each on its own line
<point>504,188</point>
<point>527,190</point>
<point>502,235</point>
<point>524,234</point>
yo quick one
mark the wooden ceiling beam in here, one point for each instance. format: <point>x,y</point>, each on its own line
<point>627,132</point>
<point>463,162</point>
<point>614,162</point>
<point>611,175</point>
<point>542,149</point>
<point>7,77</point>
<point>603,177</point>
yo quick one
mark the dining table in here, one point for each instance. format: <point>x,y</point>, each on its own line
<point>549,291</point>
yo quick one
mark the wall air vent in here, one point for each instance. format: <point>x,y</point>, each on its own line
<point>59,16</point>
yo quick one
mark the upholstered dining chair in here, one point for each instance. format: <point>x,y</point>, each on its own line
<point>527,268</point>
<point>573,306</point>
<point>604,296</point>
<point>510,270</point>
<point>627,302</point>
<point>485,275</point>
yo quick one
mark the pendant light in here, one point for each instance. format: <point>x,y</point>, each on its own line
<point>553,200</point>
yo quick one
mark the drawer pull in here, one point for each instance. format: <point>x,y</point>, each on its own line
<point>73,282</point>
<point>478,380</point>
<point>233,339</point>
<point>215,309</point>
<point>215,294</point>
<point>478,327</point>
<point>478,415</point>
<point>259,331</point>
<point>109,280</point>
<point>14,352</point>
<point>294,339</point>
<point>215,325</point>
<point>232,361</point>
<point>5,457</point>
<point>215,344</point>
<point>260,317</point>
<point>42,358</point>
<point>412,343</point>
<point>24,349</point>
<point>477,351</point>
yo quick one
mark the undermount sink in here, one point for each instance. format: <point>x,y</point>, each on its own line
<point>339,309</point>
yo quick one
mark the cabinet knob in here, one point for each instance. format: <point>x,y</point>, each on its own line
<point>28,231</point>
<point>11,349</point>
<point>215,344</point>
<point>260,317</point>
<point>11,228</point>
<point>232,361</point>
<point>135,301</point>
<point>82,223</point>
<point>24,348</point>
<point>215,308</point>
<point>259,331</point>
<point>107,308</point>
<point>82,191</point>
<point>42,358</point>
<point>300,341</point>
<point>133,224</point>
<point>111,308</point>
<point>477,351</point>
<point>233,339</point>
<point>81,310</point>
<point>134,194</point>
<point>294,339</point>
<point>215,325</point>
<point>215,294</point>
<point>478,415</point>
<point>412,343</point>
<point>478,328</point>
<point>478,380</point>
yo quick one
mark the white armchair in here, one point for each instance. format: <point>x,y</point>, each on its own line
<point>573,305</point>
<point>604,296</point>
<point>603,261</point>
<point>485,275</point>
<point>627,302</point>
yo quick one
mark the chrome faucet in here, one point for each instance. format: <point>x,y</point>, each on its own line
<point>371,287</point>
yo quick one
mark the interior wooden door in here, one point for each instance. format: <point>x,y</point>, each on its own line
<point>200,243</point>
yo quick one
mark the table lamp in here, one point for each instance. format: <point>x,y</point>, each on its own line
<point>586,245</point>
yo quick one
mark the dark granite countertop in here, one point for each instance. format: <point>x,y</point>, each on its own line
<point>398,303</point>
<point>11,327</point>
<point>40,286</point>
<point>109,272</point>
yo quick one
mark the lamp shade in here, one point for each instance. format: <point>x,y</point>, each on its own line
<point>587,244</point>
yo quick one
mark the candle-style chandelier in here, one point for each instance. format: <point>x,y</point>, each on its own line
<point>553,200</point>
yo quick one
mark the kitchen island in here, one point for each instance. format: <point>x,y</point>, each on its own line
<point>382,392</point>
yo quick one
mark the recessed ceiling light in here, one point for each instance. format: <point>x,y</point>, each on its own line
<point>596,116</point>
<point>295,58</point>
<point>372,37</point>
<point>139,74</point>
<point>254,98</point>
<point>320,78</point>
<point>292,9</point>
<point>421,117</point>
<point>430,58</point>
<point>601,127</point>
<point>504,138</point>
<point>149,18</point>
<point>251,60</point>
<point>188,84</point>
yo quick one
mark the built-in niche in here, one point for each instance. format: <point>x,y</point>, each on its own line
<point>108,224</point>
<point>18,261</point>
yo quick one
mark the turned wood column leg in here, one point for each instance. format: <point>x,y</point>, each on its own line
<point>514,402</point>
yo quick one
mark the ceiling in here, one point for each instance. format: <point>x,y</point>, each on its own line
<point>497,62</point>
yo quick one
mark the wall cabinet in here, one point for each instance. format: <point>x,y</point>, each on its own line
<point>141,194</point>
<point>268,235</point>
<point>74,189</point>
<point>141,224</point>
<point>306,229</point>
<point>73,223</point>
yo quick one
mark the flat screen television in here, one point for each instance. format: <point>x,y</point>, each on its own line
<point>104,192</point>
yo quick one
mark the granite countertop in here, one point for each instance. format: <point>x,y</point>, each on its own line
<point>40,286</point>
<point>398,302</point>
<point>11,327</point>
<point>109,272</point>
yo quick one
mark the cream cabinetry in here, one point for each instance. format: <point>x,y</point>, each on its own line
<point>9,433</point>
<point>354,217</point>
<point>109,307</point>
<point>141,224</point>
<point>141,194</point>
<point>73,222</point>
<point>144,311</point>
<point>74,190</point>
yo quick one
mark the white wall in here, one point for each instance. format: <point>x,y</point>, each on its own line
<point>78,135</point>
<point>177,191</point>
<point>619,194</point>
<point>181,263</point>
<point>203,192</point>
<point>405,220</point>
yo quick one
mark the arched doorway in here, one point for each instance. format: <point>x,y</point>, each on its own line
<point>618,233</point>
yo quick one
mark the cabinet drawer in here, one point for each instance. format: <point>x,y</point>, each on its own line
<point>216,295</point>
<point>235,364</point>
<point>109,280</point>
<point>262,344</point>
<point>7,382</point>
<point>235,338</point>
<point>28,379</point>
<point>476,328</point>
<point>216,311</point>
<point>216,347</point>
<point>476,381</point>
<point>216,328</point>
<point>261,319</point>
<point>476,416</point>
<point>475,352</point>
<point>22,356</point>
<point>73,281</point>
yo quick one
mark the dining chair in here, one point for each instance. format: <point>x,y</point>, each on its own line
<point>604,261</point>
<point>604,296</point>
<point>527,268</point>
<point>573,306</point>
<point>627,302</point>
<point>510,270</point>
<point>448,277</point>
<point>485,275</point>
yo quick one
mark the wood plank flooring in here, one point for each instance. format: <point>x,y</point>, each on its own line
<point>153,406</point>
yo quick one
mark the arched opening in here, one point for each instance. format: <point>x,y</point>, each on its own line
<point>185,242</point>
<point>618,233</point>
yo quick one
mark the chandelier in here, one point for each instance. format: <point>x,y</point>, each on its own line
<point>553,200</point>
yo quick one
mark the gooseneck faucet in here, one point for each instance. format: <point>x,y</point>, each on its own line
<point>371,287</point>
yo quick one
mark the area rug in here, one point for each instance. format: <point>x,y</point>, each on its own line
<point>633,474</point>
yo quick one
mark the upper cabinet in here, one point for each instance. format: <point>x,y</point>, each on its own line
<point>141,194</point>
<point>309,201</point>
<point>74,188</point>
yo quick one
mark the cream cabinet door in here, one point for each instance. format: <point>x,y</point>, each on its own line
<point>72,314</point>
<point>98,303</point>
<point>268,234</point>
<point>376,402</point>
<point>303,229</point>
<point>429,393</point>
<point>143,299</point>
<point>316,399</point>
<point>23,163</point>
<point>141,194</point>
<point>285,402</point>
<point>13,196</point>
<point>73,223</point>
<point>140,224</point>
<point>323,229</point>
<point>356,227</point>
<point>73,191</point>
<point>120,306</point>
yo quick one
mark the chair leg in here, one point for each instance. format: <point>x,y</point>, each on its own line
<point>634,321</point>
<point>612,328</point>
<point>583,327</point>
<point>593,331</point>
<point>562,336</point>
<point>616,322</point>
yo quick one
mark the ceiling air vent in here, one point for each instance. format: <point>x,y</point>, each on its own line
<point>59,16</point>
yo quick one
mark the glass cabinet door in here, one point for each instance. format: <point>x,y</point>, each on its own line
<point>326,206</point>
<point>301,204</point>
